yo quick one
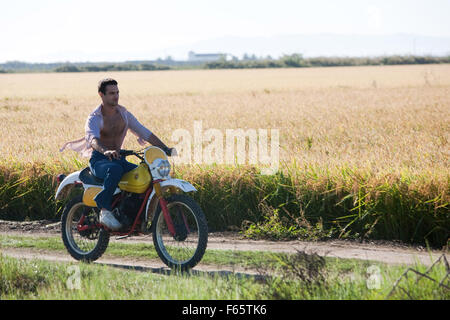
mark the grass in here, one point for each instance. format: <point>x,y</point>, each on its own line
<point>43,280</point>
<point>286,276</point>
<point>357,160</point>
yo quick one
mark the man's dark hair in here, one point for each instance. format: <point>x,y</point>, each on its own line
<point>105,82</point>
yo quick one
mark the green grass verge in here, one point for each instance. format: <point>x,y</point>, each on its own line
<point>287,276</point>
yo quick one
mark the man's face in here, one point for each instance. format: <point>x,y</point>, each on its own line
<point>111,95</point>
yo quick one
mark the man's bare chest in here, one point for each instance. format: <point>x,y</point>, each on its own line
<point>113,126</point>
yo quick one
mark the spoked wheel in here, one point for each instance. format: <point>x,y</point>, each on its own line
<point>184,249</point>
<point>81,234</point>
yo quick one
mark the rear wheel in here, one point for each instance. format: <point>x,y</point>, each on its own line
<point>187,247</point>
<point>82,237</point>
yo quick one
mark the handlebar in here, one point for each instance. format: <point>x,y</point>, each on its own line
<point>126,153</point>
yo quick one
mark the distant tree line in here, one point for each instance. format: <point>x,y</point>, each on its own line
<point>110,67</point>
<point>295,60</point>
<point>19,66</point>
<point>298,61</point>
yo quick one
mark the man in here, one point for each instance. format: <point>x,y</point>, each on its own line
<point>106,128</point>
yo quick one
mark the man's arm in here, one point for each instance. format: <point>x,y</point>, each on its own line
<point>143,133</point>
<point>155,141</point>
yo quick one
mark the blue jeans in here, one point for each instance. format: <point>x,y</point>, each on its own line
<point>111,171</point>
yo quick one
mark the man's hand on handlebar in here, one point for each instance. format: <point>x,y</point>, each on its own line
<point>112,154</point>
<point>171,152</point>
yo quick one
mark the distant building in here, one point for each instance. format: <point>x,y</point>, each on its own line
<point>206,56</point>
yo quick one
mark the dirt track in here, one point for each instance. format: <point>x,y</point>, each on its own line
<point>388,252</point>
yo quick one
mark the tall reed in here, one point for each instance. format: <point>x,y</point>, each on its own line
<point>309,202</point>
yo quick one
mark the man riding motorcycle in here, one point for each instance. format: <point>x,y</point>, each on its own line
<point>106,128</point>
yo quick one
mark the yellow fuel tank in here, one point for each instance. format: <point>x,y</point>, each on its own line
<point>137,180</point>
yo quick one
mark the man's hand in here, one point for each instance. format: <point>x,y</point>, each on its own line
<point>112,154</point>
<point>171,152</point>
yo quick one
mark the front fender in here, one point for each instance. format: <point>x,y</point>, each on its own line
<point>180,184</point>
<point>177,183</point>
<point>71,179</point>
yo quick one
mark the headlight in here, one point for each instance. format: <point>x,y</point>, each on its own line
<point>163,168</point>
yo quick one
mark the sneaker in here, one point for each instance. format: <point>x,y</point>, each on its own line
<point>107,218</point>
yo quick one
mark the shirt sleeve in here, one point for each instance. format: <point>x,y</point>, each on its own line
<point>137,128</point>
<point>92,128</point>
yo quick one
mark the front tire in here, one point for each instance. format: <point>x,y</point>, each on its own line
<point>184,250</point>
<point>86,245</point>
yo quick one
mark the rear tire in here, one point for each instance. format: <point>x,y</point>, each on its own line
<point>88,246</point>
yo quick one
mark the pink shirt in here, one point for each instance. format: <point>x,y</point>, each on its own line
<point>94,124</point>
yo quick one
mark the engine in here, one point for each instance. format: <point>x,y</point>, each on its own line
<point>129,207</point>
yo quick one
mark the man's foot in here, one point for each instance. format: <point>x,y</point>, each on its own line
<point>107,218</point>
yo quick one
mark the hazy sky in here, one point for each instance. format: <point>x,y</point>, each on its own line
<point>95,30</point>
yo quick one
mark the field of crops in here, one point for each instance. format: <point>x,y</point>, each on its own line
<point>364,151</point>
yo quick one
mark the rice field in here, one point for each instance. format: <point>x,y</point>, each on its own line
<point>368,138</point>
<point>382,118</point>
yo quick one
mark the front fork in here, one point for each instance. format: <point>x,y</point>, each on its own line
<point>163,204</point>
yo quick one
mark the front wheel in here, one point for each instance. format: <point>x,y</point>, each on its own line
<point>81,234</point>
<point>186,247</point>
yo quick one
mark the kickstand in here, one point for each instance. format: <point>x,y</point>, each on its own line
<point>122,237</point>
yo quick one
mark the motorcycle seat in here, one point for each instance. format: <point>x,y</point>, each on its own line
<point>87,177</point>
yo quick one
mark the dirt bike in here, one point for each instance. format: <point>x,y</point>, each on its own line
<point>147,200</point>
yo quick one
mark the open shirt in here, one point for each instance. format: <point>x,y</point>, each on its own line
<point>94,124</point>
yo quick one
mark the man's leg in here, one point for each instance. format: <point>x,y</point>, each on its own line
<point>127,166</point>
<point>111,172</point>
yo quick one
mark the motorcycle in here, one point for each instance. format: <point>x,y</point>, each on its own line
<point>147,200</point>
